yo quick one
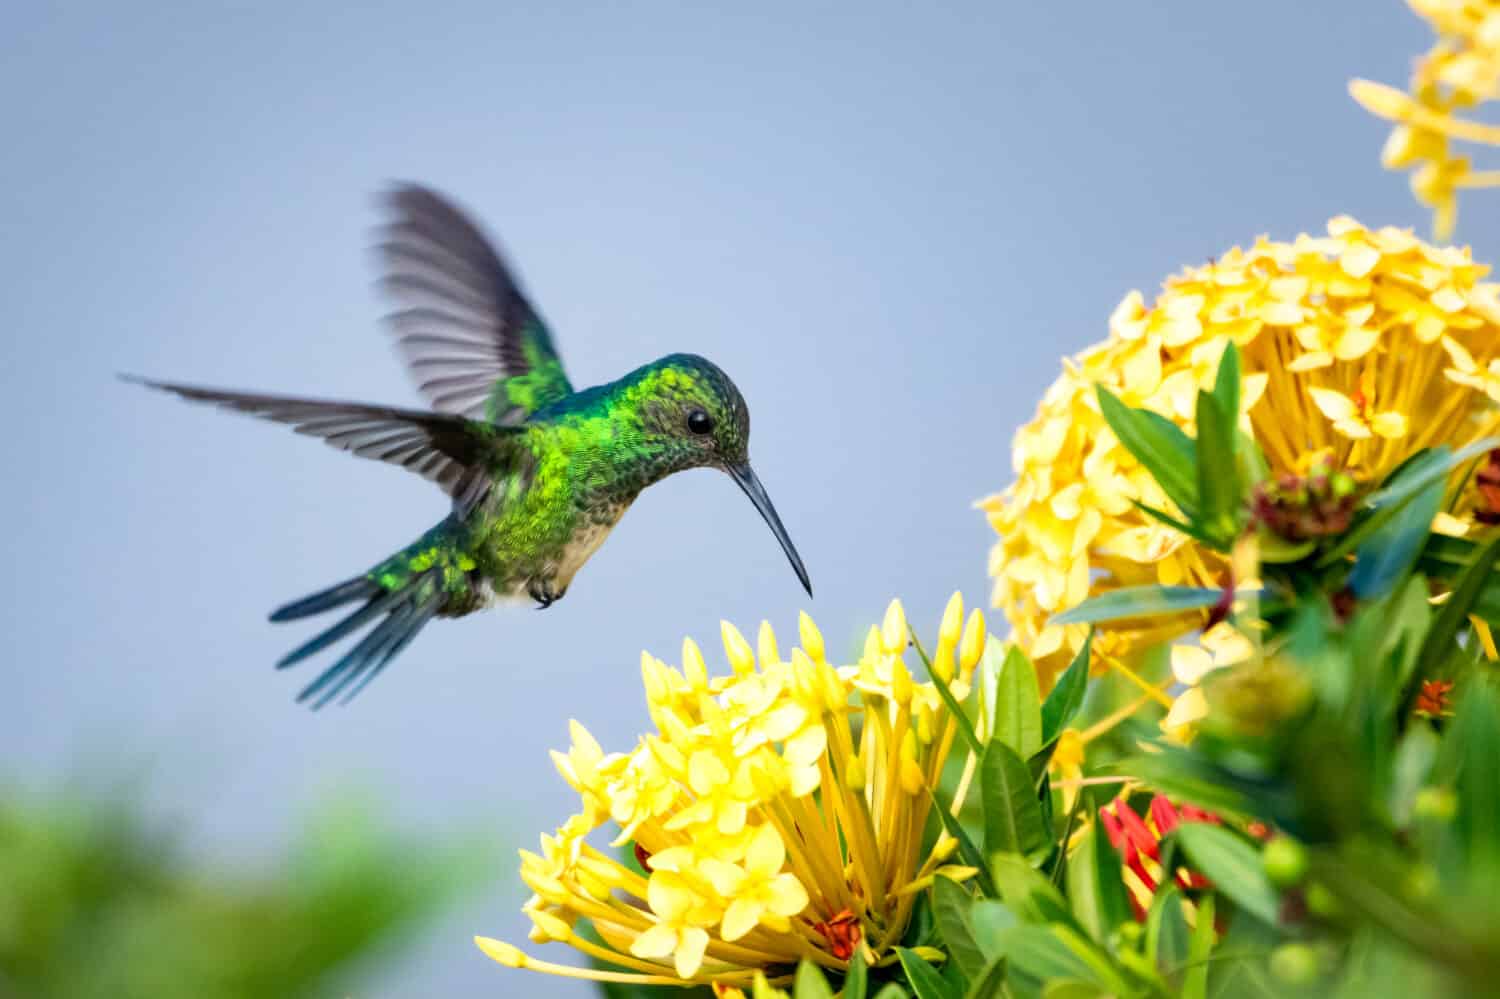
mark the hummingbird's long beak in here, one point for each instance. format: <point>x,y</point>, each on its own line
<point>745,476</point>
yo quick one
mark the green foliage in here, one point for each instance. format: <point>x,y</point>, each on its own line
<point>95,902</point>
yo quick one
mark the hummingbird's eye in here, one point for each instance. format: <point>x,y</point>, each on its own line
<point>699,422</point>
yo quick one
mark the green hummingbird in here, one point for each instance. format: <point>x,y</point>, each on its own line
<point>537,472</point>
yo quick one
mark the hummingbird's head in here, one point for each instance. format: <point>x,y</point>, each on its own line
<point>700,420</point>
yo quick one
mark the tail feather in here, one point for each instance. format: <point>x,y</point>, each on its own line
<point>358,588</point>
<point>400,595</point>
<point>382,601</point>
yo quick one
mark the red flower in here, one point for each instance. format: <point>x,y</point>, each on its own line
<point>1432,700</point>
<point>842,933</point>
<point>1138,841</point>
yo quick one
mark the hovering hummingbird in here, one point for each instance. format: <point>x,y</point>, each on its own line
<point>538,473</point>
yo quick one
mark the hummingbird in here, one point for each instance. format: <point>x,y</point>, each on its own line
<point>537,473</point>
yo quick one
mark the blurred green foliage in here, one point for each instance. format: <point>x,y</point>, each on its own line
<point>95,902</point>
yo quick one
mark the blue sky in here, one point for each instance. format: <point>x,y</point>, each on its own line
<point>887,222</point>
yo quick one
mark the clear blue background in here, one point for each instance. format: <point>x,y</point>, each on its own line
<point>886,221</point>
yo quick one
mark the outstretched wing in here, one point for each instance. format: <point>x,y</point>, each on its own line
<point>452,451</point>
<point>473,342</point>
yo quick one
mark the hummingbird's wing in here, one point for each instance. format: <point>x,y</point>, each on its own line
<point>471,339</point>
<point>454,452</point>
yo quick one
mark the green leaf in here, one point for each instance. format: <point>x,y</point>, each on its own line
<point>1227,385</point>
<point>1233,865</point>
<point>1168,935</point>
<point>1096,886</point>
<point>891,991</point>
<point>1195,979</point>
<point>1414,475</point>
<point>990,918</point>
<point>856,979</point>
<point>1018,713</point>
<point>1439,643</point>
<point>1012,814</point>
<point>956,710</point>
<point>1063,988</point>
<point>950,907</point>
<point>1476,734</point>
<point>971,855</point>
<point>1387,555</point>
<point>924,978</point>
<point>1219,499</point>
<point>988,681</point>
<point>1067,694</point>
<point>1138,601</point>
<point>1159,445</point>
<point>1185,775</point>
<point>1191,530</point>
<point>1028,896</point>
<point>990,983</point>
<point>810,983</point>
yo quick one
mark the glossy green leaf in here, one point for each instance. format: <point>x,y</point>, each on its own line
<point>1018,712</point>
<point>1096,885</point>
<point>1389,553</point>
<point>810,983</point>
<point>1219,498</point>
<point>856,979</point>
<point>1138,601</point>
<point>1233,865</point>
<point>1195,978</point>
<point>951,903</point>
<point>1159,445</point>
<point>1227,385</point>
<point>1012,814</point>
<point>1439,642</point>
<point>955,710</point>
<point>924,978</point>
<point>989,983</point>
<point>1066,697</point>
<point>1168,935</point>
<point>1415,475</point>
<point>1029,897</point>
<point>971,855</point>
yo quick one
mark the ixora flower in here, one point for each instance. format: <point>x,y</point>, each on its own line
<point>776,815</point>
<point>1459,73</point>
<point>1358,348</point>
<point>1138,841</point>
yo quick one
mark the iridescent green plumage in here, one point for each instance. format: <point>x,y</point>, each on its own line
<point>538,473</point>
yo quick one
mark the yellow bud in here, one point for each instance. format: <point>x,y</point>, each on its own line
<point>765,645</point>
<point>835,697</point>
<point>872,644</point>
<point>594,887</point>
<point>812,638</point>
<point>551,926</point>
<point>893,637</point>
<point>971,647</point>
<point>854,774</point>
<point>951,630</point>
<point>945,847</point>
<point>741,657</point>
<point>499,950</point>
<point>900,682</point>
<point>911,777</point>
<point>942,662</point>
<point>651,679</point>
<point>924,724</point>
<point>693,667</point>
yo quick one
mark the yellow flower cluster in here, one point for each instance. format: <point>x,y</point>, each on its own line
<point>1460,72</point>
<point>776,815</point>
<point>1361,347</point>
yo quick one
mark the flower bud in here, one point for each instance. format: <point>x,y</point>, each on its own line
<point>499,950</point>
<point>741,656</point>
<point>893,636</point>
<point>694,670</point>
<point>812,638</point>
<point>765,645</point>
<point>971,646</point>
<point>951,630</point>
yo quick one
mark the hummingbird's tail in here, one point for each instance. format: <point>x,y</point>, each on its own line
<point>407,590</point>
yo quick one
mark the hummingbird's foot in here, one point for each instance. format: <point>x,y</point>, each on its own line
<point>544,593</point>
